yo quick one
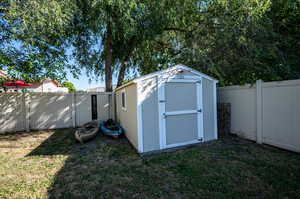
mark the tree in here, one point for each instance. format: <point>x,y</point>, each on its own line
<point>236,41</point>
<point>30,59</point>
<point>105,37</point>
<point>229,38</point>
<point>69,85</point>
<point>2,80</point>
<point>285,16</point>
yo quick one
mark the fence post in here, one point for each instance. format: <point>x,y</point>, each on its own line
<point>112,105</point>
<point>27,110</point>
<point>73,110</point>
<point>259,116</point>
<point>109,105</point>
<point>114,97</point>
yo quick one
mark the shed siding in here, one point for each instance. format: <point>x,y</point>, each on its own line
<point>148,93</point>
<point>128,118</point>
<point>208,109</point>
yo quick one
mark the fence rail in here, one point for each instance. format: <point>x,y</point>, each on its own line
<point>37,111</point>
<point>266,112</point>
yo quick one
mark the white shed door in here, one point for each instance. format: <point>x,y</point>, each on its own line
<point>181,118</point>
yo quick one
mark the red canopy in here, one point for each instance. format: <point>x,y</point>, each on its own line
<point>17,83</point>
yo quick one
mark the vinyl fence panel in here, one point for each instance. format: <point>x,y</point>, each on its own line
<point>11,112</point>
<point>25,111</point>
<point>281,114</point>
<point>50,111</point>
<point>268,112</point>
<point>83,107</point>
<point>243,109</point>
<point>104,108</point>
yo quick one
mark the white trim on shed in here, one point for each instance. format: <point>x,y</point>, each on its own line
<point>140,122</point>
<point>179,66</point>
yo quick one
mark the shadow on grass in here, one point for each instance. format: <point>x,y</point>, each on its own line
<point>228,168</point>
<point>15,136</point>
<point>88,166</point>
<point>61,142</point>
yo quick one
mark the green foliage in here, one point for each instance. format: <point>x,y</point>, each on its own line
<point>29,51</point>
<point>2,80</point>
<point>69,85</point>
<point>236,41</point>
<point>51,27</point>
<point>134,23</point>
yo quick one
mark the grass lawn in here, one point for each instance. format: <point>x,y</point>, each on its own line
<point>50,164</point>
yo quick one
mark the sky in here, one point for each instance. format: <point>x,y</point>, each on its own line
<point>83,82</point>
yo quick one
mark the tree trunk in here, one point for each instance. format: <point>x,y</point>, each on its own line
<point>122,73</point>
<point>108,59</point>
<point>132,43</point>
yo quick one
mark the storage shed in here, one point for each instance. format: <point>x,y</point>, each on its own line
<point>169,108</point>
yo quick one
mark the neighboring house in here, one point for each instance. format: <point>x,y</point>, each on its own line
<point>47,85</point>
<point>98,89</point>
<point>3,74</point>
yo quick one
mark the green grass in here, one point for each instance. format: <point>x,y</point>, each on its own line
<point>50,164</point>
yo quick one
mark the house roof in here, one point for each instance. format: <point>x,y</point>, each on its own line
<point>3,74</point>
<point>47,80</point>
<point>179,66</point>
<point>57,83</point>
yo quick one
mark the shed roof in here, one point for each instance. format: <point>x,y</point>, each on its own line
<point>179,66</point>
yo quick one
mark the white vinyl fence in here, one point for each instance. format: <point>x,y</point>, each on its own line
<point>267,112</point>
<point>26,111</point>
